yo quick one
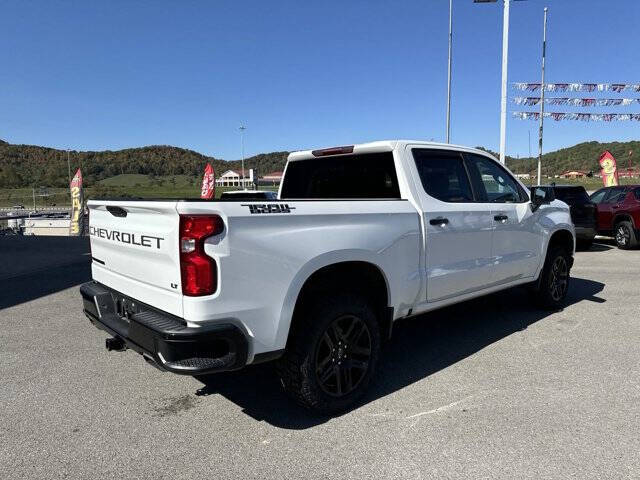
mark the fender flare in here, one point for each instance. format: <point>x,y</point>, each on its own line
<point>307,270</point>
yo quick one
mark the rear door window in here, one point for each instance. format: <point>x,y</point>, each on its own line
<point>366,176</point>
<point>443,175</point>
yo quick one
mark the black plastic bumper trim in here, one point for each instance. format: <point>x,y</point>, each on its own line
<point>164,339</point>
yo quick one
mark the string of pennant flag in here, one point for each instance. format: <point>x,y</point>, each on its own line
<point>577,102</point>
<point>584,117</point>
<point>578,87</point>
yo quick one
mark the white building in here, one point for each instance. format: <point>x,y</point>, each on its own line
<point>232,178</point>
<point>273,178</point>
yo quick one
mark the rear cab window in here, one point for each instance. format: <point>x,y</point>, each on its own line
<point>355,176</point>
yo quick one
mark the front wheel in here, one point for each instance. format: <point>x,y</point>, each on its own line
<point>625,236</point>
<point>332,353</point>
<point>551,291</point>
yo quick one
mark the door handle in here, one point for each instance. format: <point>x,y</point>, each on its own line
<point>500,218</point>
<point>439,221</point>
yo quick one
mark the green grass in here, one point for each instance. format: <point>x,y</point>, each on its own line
<point>60,196</point>
<point>135,179</point>
<point>182,186</point>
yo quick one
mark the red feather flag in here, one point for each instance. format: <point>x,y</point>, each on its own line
<point>77,205</point>
<point>208,182</point>
<point>609,169</point>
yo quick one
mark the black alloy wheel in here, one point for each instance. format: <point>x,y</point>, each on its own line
<point>343,355</point>
<point>623,235</point>
<point>559,279</point>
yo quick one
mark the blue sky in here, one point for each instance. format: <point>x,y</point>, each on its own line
<point>109,75</point>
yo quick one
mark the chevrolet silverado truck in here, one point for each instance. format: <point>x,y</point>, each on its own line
<point>359,237</point>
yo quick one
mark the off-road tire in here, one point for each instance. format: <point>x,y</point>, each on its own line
<point>551,290</point>
<point>298,368</point>
<point>625,235</point>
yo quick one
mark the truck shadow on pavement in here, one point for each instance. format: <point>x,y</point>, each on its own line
<point>32,267</point>
<point>420,346</point>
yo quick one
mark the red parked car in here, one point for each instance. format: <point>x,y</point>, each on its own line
<point>619,214</point>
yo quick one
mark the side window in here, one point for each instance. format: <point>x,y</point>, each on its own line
<point>493,182</point>
<point>636,192</point>
<point>598,197</point>
<point>616,195</point>
<point>443,175</point>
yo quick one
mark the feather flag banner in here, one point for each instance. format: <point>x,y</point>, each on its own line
<point>579,87</point>
<point>577,102</point>
<point>583,117</point>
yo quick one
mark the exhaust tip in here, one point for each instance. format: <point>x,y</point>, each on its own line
<point>115,344</point>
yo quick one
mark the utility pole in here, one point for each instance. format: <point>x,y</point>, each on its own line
<point>503,99</point>
<point>242,128</point>
<point>33,190</point>
<point>544,54</point>
<point>449,72</point>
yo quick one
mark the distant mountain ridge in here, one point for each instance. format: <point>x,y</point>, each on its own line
<point>583,156</point>
<point>30,165</point>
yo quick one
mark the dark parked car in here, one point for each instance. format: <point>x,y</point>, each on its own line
<point>619,214</point>
<point>249,195</point>
<point>583,211</point>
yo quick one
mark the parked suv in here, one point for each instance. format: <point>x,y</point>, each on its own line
<point>619,214</point>
<point>584,213</point>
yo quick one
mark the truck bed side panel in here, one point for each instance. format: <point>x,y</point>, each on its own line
<point>264,258</point>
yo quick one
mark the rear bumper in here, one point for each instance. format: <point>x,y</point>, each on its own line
<point>585,233</point>
<point>162,339</point>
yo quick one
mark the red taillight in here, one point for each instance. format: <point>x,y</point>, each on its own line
<point>198,270</point>
<point>325,152</point>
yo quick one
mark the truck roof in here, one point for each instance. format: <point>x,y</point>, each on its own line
<point>377,146</point>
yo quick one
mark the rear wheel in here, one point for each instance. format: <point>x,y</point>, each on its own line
<point>625,235</point>
<point>332,354</point>
<point>553,286</point>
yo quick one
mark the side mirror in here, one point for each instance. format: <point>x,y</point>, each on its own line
<point>541,196</point>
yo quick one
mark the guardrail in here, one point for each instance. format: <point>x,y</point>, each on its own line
<point>40,210</point>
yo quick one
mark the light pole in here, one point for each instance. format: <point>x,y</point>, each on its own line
<point>242,128</point>
<point>449,72</point>
<point>544,54</point>
<point>505,56</point>
<point>68,167</point>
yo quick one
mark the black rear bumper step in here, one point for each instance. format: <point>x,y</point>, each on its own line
<point>163,339</point>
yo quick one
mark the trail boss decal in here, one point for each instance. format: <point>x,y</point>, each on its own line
<point>125,237</point>
<point>268,207</point>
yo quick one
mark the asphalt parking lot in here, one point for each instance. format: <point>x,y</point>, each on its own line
<point>492,388</point>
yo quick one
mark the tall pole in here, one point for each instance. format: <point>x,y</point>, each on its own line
<point>242,129</point>
<point>503,101</point>
<point>68,167</point>
<point>544,54</point>
<point>449,72</point>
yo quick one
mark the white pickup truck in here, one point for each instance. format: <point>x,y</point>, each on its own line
<point>359,237</point>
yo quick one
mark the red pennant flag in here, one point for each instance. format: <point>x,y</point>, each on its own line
<point>609,169</point>
<point>77,205</point>
<point>208,182</point>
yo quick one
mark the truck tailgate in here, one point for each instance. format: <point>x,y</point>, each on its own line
<point>134,247</point>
